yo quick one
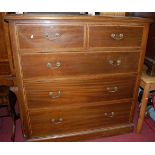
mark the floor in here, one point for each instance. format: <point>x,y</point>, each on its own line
<point>147,135</point>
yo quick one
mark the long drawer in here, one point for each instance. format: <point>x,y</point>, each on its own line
<point>50,36</point>
<point>66,92</point>
<point>62,121</point>
<point>115,36</point>
<point>84,63</point>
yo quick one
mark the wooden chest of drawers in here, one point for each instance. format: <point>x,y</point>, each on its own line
<point>77,76</point>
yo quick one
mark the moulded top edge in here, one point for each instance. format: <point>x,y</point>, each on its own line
<point>77,17</point>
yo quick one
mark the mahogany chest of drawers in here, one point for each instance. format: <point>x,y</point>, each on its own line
<point>77,76</point>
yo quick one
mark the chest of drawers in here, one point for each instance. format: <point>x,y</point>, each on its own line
<point>77,76</point>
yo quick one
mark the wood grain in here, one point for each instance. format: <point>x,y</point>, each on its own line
<point>72,64</point>
<point>100,36</point>
<point>52,18</point>
<point>78,119</point>
<point>51,36</point>
<point>78,90</point>
<point>88,134</point>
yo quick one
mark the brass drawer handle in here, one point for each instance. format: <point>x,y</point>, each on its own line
<point>57,121</point>
<point>109,115</point>
<point>115,63</point>
<point>52,37</point>
<point>53,96</point>
<point>112,89</point>
<point>55,66</point>
<point>117,36</point>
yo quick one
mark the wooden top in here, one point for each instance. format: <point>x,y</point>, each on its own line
<point>33,16</point>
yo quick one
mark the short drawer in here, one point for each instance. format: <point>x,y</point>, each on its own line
<point>115,36</point>
<point>49,36</point>
<point>65,92</point>
<point>62,121</point>
<point>73,64</point>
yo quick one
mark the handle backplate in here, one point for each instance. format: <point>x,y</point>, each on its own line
<point>53,66</point>
<point>51,36</point>
<point>109,115</point>
<point>54,95</point>
<point>112,89</point>
<point>115,63</point>
<point>57,121</point>
<point>117,36</point>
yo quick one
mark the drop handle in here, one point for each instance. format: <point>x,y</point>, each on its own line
<point>57,121</point>
<point>53,66</point>
<point>52,37</point>
<point>115,63</point>
<point>112,89</point>
<point>117,36</point>
<point>109,115</point>
<point>54,95</point>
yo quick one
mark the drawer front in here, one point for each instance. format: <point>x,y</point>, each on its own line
<point>66,92</point>
<point>50,36</point>
<point>59,65</point>
<point>77,119</point>
<point>115,36</point>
